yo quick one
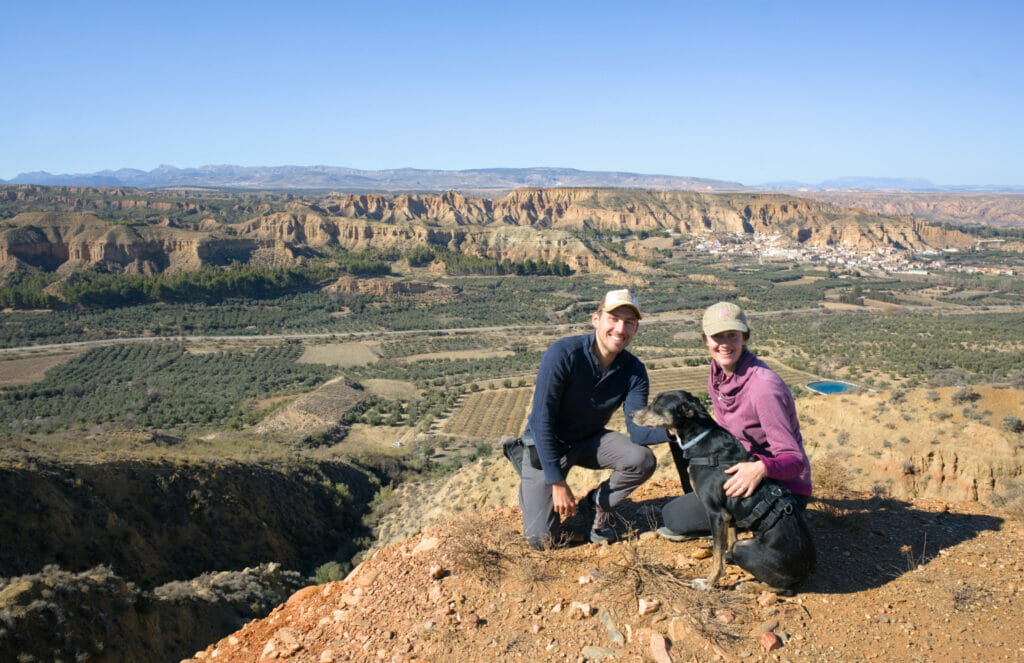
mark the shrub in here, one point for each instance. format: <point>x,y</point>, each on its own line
<point>964,395</point>
<point>329,572</point>
<point>831,476</point>
<point>1013,424</point>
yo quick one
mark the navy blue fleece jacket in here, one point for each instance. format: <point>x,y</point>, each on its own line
<point>573,400</point>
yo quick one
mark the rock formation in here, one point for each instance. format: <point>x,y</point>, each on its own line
<point>536,224</point>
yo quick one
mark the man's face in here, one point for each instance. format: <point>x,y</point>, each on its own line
<point>615,329</point>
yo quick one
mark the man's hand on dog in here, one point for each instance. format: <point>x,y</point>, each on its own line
<point>745,479</point>
<point>563,499</point>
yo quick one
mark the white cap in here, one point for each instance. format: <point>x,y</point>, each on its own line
<point>617,298</point>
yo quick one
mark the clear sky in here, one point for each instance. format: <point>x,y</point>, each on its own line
<point>752,92</point>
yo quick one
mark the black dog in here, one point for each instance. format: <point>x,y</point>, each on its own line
<point>781,552</point>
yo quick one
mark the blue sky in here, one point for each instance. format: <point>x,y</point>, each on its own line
<point>744,91</point>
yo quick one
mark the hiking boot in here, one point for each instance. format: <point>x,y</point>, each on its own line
<point>675,537</point>
<point>603,529</point>
<point>669,535</point>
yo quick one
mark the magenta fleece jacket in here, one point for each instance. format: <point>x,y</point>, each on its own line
<point>756,406</point>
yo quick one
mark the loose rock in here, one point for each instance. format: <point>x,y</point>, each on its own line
<point>770,641</point>
<point>659,649</point>
<point>647,606</point>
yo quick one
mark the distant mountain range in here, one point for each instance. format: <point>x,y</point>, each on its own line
<point>350,179</point>
<point>497,180</point>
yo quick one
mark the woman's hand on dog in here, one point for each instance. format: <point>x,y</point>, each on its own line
<point>563,499</point>
<point>745,479</point>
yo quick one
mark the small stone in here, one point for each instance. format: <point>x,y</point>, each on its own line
<point>585,580</point>
<point>233,641</point>
<point>597,653</point>
<point>659,649</point>
<point>768,598</point>
<point>647,606</point>
<point>583,609</point>
<point>703,553</point>
<point>614,634</point>
<point>366,578</point>
<point>425,545</point>
<point>763,628</point>
<point>770,641</point>
<point>535,629</point>
<point>724,616</point>
<point>327,656</point>
<point>648,535</point>
<point>556,608</point>
<point>437,572</point>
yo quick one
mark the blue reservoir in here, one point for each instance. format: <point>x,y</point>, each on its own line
<point>830,386</point>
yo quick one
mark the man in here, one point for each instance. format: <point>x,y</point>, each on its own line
<point>580,383</point>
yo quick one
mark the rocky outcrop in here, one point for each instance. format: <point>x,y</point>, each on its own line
<point>532,224</point>
<point>99,616</point>
<point>154,522</point>
<point>68,242</point>
<point>389,289</point>
<point>962,208</point>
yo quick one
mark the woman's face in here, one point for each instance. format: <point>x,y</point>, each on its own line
<point>726,348</point>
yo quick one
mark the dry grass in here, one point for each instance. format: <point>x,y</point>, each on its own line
<point>339,354</point>
<point>486,553</point>
<point>831,476</point>
<point>19,371</point>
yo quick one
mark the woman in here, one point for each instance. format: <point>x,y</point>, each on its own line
<point>752,402</point>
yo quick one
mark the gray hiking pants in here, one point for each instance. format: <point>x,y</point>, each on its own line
<point>632,464</point>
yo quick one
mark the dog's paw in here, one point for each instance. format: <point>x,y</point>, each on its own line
<point>701,584</point>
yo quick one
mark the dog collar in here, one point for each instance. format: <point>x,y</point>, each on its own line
<point>684,447</point>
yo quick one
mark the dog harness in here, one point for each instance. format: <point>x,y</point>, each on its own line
<point>779,502</point>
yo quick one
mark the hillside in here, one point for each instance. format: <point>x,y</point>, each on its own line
<point>918,548</point>
<point>130,560</point>
<point>1005,210</point>
<point>563,225</point>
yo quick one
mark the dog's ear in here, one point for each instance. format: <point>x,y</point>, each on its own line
<point>693,408</point>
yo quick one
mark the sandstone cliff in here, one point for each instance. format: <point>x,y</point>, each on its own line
<point>548,224</point>
<point>973,208</point>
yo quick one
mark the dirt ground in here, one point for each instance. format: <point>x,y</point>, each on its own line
<point>916,580</point>
<point>391,389</point>
<point>26,369</point>
<point>344,355</point>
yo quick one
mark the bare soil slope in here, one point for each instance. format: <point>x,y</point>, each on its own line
<point>896,580</point>
<point>914,564</point>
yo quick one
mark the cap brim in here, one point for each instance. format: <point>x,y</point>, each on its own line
<point>629,306</point>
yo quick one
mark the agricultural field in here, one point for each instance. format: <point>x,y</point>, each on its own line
<point>490,414</point>
<point>22,370</point>
<point>339,354</point>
